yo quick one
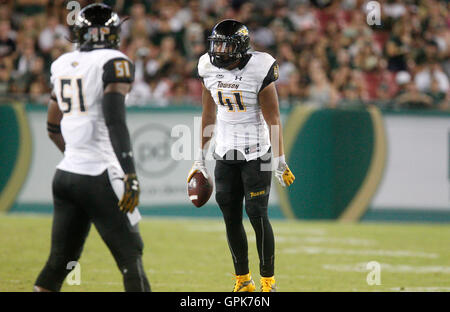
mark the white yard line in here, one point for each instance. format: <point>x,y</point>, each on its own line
<point>304,231</point>
<point>313,250</point>
<point>324,240</point>
<point>421,289</point>
<point>96,283</point>
<point>220,227</point>
<point>206,228</point>
<point>385,267</point>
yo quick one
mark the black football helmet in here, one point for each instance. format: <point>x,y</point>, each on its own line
<point>97,26</point>
<point>228,43</point>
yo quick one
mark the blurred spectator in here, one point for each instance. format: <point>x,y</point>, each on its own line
<point>394,9</point>
<point>262,36</point>
<point>29,8</point>
<point>303,18</point>
<point>385,87</point>
<point>351,98</point>
<point>397,47</point>
<point>5,79</point>
<point>408,95</point>
<point>139,24</point>
<point>436,92</point>
<point>7,36</point>
<point>39,93</point>
<point>429,73</point>
<point>445,103</point>
<point>321,92</point>
<point>155,92</point>
<point>366,58</point>
<point>411,98</point>
<point>402,78</point>
<point>327,53</point>
<point>23,65</point>
<point>341,76</point>
<point>286,60</point>
<point>53,32</point>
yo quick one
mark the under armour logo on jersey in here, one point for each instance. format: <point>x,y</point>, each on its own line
<point>238,78</point>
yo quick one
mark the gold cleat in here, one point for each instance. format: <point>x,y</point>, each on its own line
<point>244,283</point>
<point>268,284</point>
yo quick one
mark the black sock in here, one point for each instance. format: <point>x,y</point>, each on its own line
<point>237,242</point>
<point>134,277</point>
<point>265,242</point>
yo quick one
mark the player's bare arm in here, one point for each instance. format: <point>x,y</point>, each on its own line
<point>268,100</point>
<point>208,116</point>
<point>208,121</point>
<point>54,116</point>
<point>113,106</point>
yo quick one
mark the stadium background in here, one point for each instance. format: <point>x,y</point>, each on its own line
<point>365,109</point>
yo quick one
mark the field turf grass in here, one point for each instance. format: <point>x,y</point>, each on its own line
<point>192,255</point>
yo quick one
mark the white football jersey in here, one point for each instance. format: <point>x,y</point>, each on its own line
<point>240,124</point>
<point>78,82</point>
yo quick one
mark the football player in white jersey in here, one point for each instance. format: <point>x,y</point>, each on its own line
<point>96,181</point>
<point>239,97</point>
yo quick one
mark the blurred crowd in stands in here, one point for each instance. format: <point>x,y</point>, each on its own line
<point>328,54</point>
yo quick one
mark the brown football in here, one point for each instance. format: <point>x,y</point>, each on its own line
<point>200,189</point>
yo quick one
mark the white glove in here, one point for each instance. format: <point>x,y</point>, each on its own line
<point>283,173</point>
<point>199,165</point>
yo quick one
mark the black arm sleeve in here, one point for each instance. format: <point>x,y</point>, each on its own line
<point>113,106</point>
<point>271,76</point>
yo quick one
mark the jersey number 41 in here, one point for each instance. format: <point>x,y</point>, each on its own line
<point>238,103</point>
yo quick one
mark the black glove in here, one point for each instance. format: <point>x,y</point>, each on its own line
<point>130,198</point>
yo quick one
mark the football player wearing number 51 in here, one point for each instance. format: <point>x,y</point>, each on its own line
<point>96,181</point>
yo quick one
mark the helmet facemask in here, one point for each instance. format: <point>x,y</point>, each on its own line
<point>223,51</point>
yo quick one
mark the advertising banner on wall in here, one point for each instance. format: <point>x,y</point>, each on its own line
<point>164,144</point>
<point>332,153</point>
<point>417,174</point>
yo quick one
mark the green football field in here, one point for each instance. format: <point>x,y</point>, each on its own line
<point>192,255</point>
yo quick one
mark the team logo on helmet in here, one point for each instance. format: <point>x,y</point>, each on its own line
<point>97,27</point>
<point>243,31</point>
